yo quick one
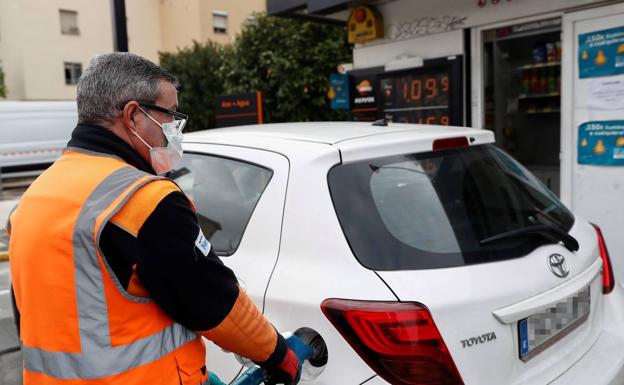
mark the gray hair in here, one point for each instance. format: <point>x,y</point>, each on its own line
<point>113,79</point>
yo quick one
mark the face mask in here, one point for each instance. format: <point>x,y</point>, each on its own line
<point>165,159</point>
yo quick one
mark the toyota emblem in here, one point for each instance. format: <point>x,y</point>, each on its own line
<point>558,265</point>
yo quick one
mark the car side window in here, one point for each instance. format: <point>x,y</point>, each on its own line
<point>225,193</point>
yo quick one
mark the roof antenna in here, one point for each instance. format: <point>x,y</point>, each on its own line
<point>380,123</point>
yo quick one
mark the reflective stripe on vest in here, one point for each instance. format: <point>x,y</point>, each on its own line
<point>97,357</point>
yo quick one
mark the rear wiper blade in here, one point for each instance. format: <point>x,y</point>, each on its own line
<point>550,232</point>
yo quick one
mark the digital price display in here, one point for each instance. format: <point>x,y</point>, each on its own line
<point>425,95</point>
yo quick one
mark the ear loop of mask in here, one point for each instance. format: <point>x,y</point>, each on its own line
<point>139,136</point>
<point>150,116</point>
<point>141,139</point>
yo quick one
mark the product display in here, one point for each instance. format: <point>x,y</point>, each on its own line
<point>523,92</point>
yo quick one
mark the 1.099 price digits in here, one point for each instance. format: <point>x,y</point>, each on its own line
<point>413,90</point>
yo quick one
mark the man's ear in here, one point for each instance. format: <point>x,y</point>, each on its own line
<point>127,115</point>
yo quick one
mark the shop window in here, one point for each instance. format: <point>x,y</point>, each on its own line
<point>219,22</point>
<point>522,82</point>
<point>72,73</point>
<point>69,22</point>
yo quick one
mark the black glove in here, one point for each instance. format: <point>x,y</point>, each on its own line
<point>287,372</point>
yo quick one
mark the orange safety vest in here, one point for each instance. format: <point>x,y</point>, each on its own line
<point>78,324</point>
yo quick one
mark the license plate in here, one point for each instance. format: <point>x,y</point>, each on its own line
<point>541,330</point>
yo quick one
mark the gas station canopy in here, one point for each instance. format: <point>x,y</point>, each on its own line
<point>327,11</point>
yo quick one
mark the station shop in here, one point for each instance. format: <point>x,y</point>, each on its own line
<point>547,76</point>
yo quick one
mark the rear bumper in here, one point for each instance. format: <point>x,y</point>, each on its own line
<point>604,362</point>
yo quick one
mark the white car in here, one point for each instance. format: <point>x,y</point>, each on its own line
<point>418,254</point>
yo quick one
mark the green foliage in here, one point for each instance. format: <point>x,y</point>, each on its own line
<point>289,61</point>
<point>3,89</point>
<point>197,69</point>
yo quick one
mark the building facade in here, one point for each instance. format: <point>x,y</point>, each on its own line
<point>45,44</point>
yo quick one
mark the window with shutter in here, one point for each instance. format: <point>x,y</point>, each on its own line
<point>69,22</point>
<point>219,22</point>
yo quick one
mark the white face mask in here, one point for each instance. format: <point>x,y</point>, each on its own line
<point>165,159</point>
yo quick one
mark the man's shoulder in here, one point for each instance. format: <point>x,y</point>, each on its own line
<point>143,202</point>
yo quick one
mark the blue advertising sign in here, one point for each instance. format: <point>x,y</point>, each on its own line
<point>601,143</point>
<point>339,91</point>
<point>601,53</point>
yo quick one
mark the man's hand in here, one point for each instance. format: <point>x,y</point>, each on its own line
<point>287,372</point>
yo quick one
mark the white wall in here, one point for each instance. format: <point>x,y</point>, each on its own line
<point>34,49</point>
<point>427,47</point>
<point>594,192</point>
<point>433,28</point>
<point>10,49</point>
<point>144,31</point>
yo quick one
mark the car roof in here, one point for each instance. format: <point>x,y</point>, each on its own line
<point>351,137</point>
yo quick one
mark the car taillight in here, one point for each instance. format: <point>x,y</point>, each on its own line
<point>448,143</point>
<point>398,340</point>
<point>608,282</point>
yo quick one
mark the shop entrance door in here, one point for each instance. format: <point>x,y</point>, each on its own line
<point>592,86</point>
<point>521,93</point>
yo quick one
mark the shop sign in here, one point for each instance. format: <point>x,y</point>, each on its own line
<point>339,91</point>
<point>601,143</point>
<point>239,110</point>
<point>364,24</point>
<point>363,94</point>
<point>601,53</point>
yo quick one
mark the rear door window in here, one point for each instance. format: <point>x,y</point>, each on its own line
<point>225,193</point>
<point>432,210</point>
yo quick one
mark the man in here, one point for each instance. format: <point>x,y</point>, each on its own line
<point>113,278</point>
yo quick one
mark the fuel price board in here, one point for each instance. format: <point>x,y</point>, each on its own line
<point>426,95</point>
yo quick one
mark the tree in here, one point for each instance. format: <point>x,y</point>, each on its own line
<point>289,61</point>
<point>3,89</point>
<point>198,70</point>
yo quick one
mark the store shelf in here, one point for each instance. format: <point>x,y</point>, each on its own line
<point>537,112</point>
<point>539,96</point>
<point>534,32</point>
<point>540,65</point>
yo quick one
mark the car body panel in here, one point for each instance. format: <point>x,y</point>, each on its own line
<point>406,142</point>
<point>316,132</point>
<point>314,262</point>
<point>479,291</point>
<point>257,253</point>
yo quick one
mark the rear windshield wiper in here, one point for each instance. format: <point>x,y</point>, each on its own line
<point>550,232</point>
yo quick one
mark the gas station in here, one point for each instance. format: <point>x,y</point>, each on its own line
<point>546,76</point>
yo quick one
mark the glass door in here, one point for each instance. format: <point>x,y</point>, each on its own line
<point>522,82</point>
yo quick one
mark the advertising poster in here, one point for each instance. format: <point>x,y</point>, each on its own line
<point>601,53</point>
<point>601,143</point>
<point>339,91</point>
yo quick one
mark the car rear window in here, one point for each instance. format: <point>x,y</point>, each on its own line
<point>225,193</point>
<point>432,210</point>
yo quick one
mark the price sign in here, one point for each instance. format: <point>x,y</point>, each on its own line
<point>423,95</point>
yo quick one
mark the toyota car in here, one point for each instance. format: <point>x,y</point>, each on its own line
<point>407,254</point>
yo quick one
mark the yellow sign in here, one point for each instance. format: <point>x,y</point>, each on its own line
<point>365,24</point>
